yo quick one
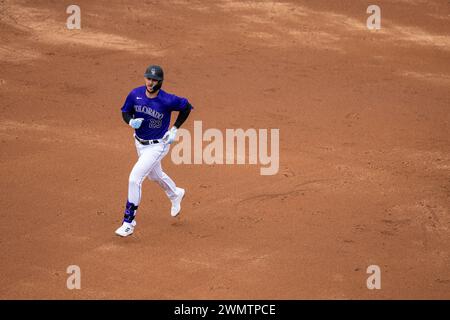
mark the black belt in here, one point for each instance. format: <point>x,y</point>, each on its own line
<point>147,142</point>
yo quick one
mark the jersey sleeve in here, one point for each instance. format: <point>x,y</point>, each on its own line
<point>129,103</point>
<point>178,103</point>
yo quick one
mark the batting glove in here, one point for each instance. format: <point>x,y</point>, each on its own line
<point>136,123</point>
<point>170,135</point>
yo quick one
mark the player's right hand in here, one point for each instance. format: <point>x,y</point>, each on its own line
<point>136,123</point>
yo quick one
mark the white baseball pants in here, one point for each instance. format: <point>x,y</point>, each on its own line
<point>149,165</point>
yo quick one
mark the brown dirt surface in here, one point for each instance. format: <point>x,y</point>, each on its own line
<point>364,173</point>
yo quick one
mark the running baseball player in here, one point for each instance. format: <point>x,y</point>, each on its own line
<point>147,109</point>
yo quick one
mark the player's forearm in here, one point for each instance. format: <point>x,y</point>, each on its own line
<point>127,116</point>
<point>183,115</point>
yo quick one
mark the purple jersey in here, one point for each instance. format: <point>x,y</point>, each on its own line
<point>156,111</point>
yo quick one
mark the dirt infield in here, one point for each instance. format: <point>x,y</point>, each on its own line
<point>364,176</point>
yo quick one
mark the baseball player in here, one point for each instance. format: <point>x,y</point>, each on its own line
<point>147,109</point>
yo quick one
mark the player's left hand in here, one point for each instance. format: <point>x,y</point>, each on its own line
<point>170,135</point>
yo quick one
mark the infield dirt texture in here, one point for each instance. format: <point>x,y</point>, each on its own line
<point>364,171</point>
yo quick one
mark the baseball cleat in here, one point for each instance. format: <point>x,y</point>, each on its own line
<point>126,229</point>
<point>176,203</point>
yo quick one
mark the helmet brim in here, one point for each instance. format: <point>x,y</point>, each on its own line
<point>152,76</point>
